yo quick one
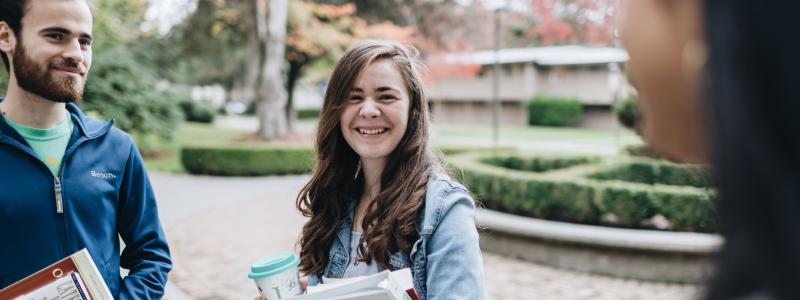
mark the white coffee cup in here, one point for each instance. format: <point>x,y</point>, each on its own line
<point>276,276</point>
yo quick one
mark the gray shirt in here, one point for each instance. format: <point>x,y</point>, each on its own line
<point>355,267</point>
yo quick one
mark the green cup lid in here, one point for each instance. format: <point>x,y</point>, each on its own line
<point>273,265</point>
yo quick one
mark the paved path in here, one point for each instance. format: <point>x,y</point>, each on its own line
<point>218,226</point>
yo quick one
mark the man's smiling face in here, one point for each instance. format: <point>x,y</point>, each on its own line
<point>53,52</point>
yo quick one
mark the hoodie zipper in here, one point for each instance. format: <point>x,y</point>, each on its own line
<point>59,198</point>
<point>62,223</point>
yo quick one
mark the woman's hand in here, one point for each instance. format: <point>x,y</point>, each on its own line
<point>304,283</point>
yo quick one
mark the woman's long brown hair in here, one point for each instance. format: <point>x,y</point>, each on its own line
<point>390,223</point>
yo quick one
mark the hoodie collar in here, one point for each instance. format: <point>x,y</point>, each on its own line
<point>87,127</point>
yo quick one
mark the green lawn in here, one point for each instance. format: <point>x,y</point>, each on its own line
<point>168,159</point>
<point>524,138</point>
<point>533,136</point>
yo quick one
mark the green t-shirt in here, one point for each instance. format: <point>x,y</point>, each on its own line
<point>48,144</point>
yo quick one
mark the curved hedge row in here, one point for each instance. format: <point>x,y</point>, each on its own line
<point>536,164</point>
<point>247,162</point>
<point>570,194</point>
<point>658,172</point>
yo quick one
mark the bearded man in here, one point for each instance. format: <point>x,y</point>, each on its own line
<point>68,182</point>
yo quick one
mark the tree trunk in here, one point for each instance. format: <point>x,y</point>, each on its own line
<point>295,70</point>
<point>247,83</point>
<point>271,91</point>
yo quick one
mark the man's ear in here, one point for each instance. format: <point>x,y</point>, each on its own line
<point>8,41</point>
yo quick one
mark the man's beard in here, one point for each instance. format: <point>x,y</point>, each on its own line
<point>41,80</point>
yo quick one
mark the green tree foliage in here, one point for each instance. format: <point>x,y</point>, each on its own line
<point>208,47</point>
<point>122,85</point>
<point>117,22</point>
<point>122,89</point>
<point>3,81</point>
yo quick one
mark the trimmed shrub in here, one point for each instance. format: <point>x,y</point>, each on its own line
<point>455,150</point>
<point>655,172</point>
<point>308,113</point>
<point>551,111</point>
<point>247,161</point>
<point>536,164</point>
<point>194,111</point>
<point>627,112</point>
<point>571,197</point>
<point>642,151</point>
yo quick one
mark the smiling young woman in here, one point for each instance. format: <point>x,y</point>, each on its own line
<point>379,197</point>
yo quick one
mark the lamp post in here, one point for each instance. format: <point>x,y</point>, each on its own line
<point>496,105</point>
<point>614,85</point>
<point>496,82</point>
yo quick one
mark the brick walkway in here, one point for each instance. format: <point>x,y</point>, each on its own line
<point>218,226</point>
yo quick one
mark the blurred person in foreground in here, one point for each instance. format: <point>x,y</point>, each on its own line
<point>379,197</point>
<point>67,181</point>
<point>718,85</point>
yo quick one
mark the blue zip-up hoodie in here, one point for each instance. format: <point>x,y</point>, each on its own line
<point>102,192</point>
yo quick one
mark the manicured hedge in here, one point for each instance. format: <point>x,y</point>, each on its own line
<point>308,113</point>
<point>650,172</point>
<point>552,111</point>
<point>642,150</point>
<point>247,161</point>
<point>627,112</point>
<point>536,164</point>
<point>573,197</point>
<point>455,150</point>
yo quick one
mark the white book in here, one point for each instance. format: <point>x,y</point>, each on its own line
<point>396,285</point>
<point>74,277</point>
<point>69,287</point>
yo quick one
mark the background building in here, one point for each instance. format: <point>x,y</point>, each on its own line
<point>591,75</point>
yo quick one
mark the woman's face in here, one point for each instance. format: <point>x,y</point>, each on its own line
<point>375,116</point>
<point>661,37</point>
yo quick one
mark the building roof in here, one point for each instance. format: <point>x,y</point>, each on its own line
<point>546,56</point>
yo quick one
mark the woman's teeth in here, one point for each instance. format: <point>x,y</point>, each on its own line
<point>371,131</point>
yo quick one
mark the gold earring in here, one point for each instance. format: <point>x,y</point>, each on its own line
<point>694,58</point>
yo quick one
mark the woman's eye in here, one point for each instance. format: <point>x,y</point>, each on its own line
<point>388,97</point>
<point>356,98</point>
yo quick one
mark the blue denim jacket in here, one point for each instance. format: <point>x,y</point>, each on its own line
<point>446,261</point>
